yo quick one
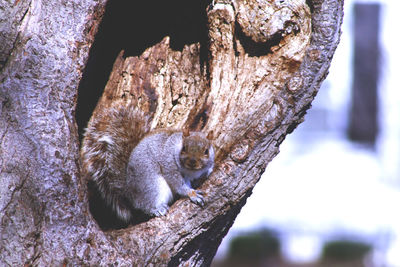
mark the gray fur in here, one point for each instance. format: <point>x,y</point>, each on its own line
<point>127,165</point>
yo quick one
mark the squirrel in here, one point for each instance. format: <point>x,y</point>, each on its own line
<point>134,168</point>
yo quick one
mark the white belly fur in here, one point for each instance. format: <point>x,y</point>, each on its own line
<point>165,194</point>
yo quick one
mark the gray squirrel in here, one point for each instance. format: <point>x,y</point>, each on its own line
<point>133,167</point>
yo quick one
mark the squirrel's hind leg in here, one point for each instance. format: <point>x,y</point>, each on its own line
<point>164,196</point>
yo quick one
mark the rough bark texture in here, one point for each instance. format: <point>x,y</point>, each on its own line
<point>265,63</point>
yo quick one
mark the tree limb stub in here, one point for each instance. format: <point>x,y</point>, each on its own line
<point>265,63</point>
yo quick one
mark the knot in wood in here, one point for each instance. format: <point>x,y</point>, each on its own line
<point>266,20</point>
<point>241,151</point>
<point>295,83</point>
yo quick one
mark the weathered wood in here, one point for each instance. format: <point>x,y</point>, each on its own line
<point>265,63</point>
<point>44,220</point>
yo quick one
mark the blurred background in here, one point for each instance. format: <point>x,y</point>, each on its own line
<point>332,195</point>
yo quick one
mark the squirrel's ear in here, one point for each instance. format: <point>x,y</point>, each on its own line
<point>210,135</point>
<point>185,132</point>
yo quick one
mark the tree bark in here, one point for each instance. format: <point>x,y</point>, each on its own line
<point>264,64</point>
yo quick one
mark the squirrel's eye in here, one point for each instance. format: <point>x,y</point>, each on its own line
<point>183,148</point>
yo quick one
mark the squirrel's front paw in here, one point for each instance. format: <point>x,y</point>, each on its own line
<point>196,196</point>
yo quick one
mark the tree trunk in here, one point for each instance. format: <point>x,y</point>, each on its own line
<point>250,83</point>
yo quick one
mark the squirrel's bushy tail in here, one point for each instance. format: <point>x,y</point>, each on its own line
<point>111,135</point>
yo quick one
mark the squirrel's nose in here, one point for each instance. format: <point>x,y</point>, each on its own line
<point>192,162</point>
